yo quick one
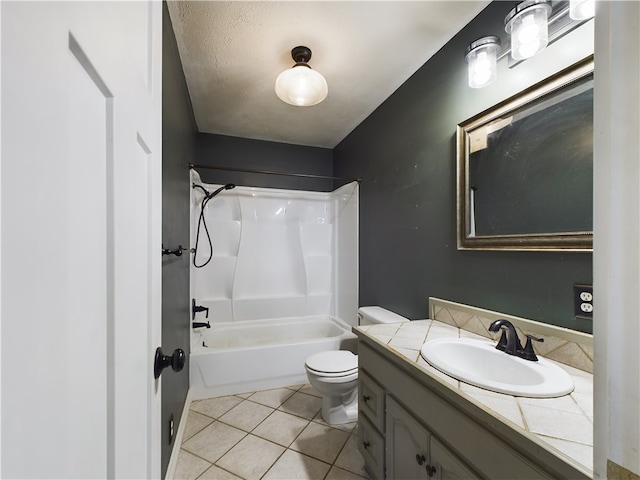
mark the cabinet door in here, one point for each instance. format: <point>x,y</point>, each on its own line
<point>371,446</point>
<point>445,465</point>
<point>407,443</point>
<point>371,399</point>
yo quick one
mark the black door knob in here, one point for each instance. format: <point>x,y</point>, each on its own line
<point>162,361</point>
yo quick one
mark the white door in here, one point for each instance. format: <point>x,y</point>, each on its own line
<point>80,233</point>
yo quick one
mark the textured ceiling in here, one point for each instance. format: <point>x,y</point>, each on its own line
<point>232,53</point>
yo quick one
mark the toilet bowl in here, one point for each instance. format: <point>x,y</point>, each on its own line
<point>335,373</point>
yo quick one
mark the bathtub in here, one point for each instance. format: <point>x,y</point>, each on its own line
<point>238,357</point>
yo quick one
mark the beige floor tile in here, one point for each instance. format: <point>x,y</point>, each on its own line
<point>244,395</point>
<point>195,422</point>
<point>281,428</point>
<point>189,466</point>
<point>309,390</point>
<point>347,427</point>
<point>337,473</point>
<point>321,442</point>
<point>214,441</point>
<point>295,387</point>
<point>246,416</point>
<point>271,398</point>
<point>295,466</point>
<point>302,405</point>
<point>251,457</point>
<point>216,473</point>
<point>215,407</point>
<point>350,458</point>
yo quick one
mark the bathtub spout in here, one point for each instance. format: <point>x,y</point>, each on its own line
<point>201,324</point>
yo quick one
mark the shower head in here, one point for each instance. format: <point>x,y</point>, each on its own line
<point>207,194</point>
<point>228,186</point>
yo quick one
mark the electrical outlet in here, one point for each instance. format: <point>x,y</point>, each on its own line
<point>583,301</point>
<point>171,432</point>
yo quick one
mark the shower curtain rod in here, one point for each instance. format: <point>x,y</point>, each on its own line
<point>269,172</point>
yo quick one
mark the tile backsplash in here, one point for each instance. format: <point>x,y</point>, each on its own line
<point>560,344</point>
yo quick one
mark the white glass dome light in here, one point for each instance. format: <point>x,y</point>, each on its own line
<point>481,57</point>
<point>300,85</point>
<point>527,25</point>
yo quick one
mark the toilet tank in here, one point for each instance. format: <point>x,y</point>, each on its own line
<point>375,315</point>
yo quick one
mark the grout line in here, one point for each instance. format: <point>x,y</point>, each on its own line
<point>215,463</point>
<point>315,420</point>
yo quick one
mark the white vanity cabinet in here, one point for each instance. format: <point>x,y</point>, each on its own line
<point>371,416</point>
<point>413,452</point>
<point>412,425</point>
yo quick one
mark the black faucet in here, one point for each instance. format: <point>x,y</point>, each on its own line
<point>201,324</point>
<point>197,308</point>
<point>510,343</point>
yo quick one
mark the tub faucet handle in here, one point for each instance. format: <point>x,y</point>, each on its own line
<point>198,308</point>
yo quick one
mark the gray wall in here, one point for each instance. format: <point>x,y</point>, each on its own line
<point>405,154</point>
<point>225,151</point>
<point>179,134</point>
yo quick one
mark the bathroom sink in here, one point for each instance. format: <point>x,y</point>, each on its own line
<point>479,363</point>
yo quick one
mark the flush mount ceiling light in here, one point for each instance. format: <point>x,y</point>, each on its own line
<point>481,57</point>
<point>527,25</point>
<point>300,85</point>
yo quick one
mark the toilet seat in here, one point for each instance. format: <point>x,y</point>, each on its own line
<point>335,363</point>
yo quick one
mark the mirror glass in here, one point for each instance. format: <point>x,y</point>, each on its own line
<point>525,168</point>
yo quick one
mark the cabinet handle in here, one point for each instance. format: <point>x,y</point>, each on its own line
<point>420,459</point>
<point>366,398</point>
<point>366,444</point>
<point>431,470</point>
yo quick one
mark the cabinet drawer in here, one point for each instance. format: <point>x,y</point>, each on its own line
<point>371,400</point>
<point>371,446</point>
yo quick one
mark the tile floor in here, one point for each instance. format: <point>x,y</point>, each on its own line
<point>270,434</point>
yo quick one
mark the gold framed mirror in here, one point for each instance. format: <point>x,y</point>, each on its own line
<point>525,168</point>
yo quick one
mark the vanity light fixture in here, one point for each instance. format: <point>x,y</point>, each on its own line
<point>528,27</point>
<point>300,85</point>
<point>582,9</point>
<point>532,25</point>
<point>481,57</point>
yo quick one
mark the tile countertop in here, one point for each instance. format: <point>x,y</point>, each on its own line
<point>565,423</point>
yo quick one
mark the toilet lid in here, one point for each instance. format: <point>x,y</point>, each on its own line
<point>335,361</point>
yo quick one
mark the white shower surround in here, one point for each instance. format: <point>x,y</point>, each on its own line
<point>278,254</point>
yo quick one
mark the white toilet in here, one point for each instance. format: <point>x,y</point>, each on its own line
<point>334,373</point>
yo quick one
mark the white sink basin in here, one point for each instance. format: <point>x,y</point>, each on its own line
<point>479,363</point>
